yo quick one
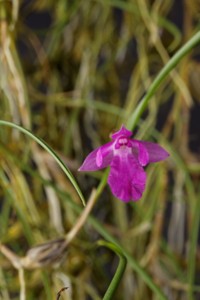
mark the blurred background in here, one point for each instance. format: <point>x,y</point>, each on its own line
<point>72,72</point>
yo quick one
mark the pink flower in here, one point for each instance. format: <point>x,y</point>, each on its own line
<point>127,158</point>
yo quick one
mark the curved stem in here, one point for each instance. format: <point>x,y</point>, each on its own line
<point>119,272</point>
<point>130,259</point>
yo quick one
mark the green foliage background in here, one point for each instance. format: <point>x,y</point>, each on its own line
<point>71,72</point>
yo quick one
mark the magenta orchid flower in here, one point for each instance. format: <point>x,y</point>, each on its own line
<point>127,158</point>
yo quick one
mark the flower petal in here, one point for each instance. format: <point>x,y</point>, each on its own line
<point>127,178</point>
<point>98,159</point>
<point>155,151</point>
<point>140,152</point>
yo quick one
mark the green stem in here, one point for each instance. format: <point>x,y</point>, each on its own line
<point>134,118</point>
<point>132,262</point>
<point>119,272</point>
<point>50,151</point>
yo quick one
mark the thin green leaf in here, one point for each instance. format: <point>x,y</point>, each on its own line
<point>51,152</point>
<point>134,118</point>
